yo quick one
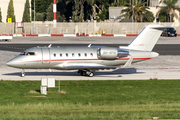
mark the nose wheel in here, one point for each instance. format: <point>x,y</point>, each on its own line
<point>22,73</point>
<point>86,73</point>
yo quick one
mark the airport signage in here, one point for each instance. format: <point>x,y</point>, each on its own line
<point>9,20</point>
<point>19,24</point>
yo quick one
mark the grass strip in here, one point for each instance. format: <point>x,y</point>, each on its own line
<point>91,100</point>
<point>78,111</point>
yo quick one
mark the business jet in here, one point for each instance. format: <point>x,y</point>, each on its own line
<point>89,59</point>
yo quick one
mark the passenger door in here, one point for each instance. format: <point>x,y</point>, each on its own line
<point>45,56</point>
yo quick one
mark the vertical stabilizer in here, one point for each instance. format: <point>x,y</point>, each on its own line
<point>147,38</point>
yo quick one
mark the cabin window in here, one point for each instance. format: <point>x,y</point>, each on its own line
<point>60,55</point>
<point>72,54</point>
<point>79,54</point>
<point>66,54</point>
<point>85,54</point>
<point>54,55</point>
<point>91,54</point>
<point>28,53</point>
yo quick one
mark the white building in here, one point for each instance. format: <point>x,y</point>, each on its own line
<point>155,6</point>
<point>18,9</point>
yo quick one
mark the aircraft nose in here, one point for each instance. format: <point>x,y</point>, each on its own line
<point>9,63</point>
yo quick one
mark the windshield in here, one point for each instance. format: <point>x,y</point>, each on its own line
<point>170,29</point>
<point>27,53</point>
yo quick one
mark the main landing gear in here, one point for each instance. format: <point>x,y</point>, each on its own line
<point>86,73</point>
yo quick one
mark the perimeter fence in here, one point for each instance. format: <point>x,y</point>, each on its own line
<point>74,28</point>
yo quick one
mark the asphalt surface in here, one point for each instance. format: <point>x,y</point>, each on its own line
<point>166,66</point>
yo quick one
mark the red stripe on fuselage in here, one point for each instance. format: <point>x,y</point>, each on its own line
<point>87,59</point>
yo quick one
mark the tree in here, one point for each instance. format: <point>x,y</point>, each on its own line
<point>120,3</point>
<point>148,17</point>
<point>162,15</point>
<point>80,10</point>
<point>11,11</point>
<point>88,9</point>
<point>40,16</point>
<point>61,11</point>
<point>102,7</point>
<point>49,13</point>
<point>40,9</point>
<point>102,15</point>
<point>81,3</point>
<point>26,14</point>
<point>139,11</point>
<point>41,5</point>
<point>0,16</point>
<point>75,13</point>
<point>169,10</point>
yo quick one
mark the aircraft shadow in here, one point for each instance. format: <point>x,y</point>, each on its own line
<point>120,71</point>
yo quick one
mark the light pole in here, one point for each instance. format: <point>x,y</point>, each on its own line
<point>132,11</point>
<point>132,15</point>
<point>34,16</point>
<point>54,16</point>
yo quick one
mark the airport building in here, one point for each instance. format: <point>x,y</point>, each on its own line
<point>154,5</point>
<point>18,9</point>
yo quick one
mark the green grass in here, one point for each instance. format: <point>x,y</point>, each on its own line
<point>91,100</point>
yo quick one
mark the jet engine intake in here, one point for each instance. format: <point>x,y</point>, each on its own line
<point>111,53</point>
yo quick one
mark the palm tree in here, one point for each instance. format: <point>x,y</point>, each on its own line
<point>169,9</point>
<point>140,11</point>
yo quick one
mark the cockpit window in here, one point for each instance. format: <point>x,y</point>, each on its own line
<point>28,53</point>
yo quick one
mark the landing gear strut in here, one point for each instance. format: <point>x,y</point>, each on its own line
<point>22,73</point>
<point>86,73</point>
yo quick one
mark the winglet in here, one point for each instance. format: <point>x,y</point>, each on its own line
<point>89,45</point>
<point>128,63</point>
<point>49,45</point>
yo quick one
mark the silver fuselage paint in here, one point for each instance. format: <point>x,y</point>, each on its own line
<point>73,58</point>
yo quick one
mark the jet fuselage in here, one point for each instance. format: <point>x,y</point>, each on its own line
<point>71,58</point>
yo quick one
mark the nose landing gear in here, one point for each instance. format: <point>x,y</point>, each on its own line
<point>22,73</point>
<point>86,73</point>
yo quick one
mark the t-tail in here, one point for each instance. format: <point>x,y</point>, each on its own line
<point>146,39</point>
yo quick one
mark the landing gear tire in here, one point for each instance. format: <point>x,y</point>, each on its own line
<point>86,73</point>
<point>91,74</point>
<point>22,73</point>
<point>83,73</point>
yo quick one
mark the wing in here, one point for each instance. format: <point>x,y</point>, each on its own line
<point>81,66</point>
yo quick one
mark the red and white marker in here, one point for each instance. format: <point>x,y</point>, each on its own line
<point>54,11</point>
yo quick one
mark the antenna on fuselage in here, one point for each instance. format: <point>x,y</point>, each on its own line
<point>89,45</point>
<point>49,45</point>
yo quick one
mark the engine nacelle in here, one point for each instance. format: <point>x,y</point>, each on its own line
<point>111,53</point>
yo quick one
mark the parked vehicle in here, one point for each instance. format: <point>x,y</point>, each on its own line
<point>169,32</point>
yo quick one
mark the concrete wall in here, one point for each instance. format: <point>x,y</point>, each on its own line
<point>73,28</point>
<point>18,9</point>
